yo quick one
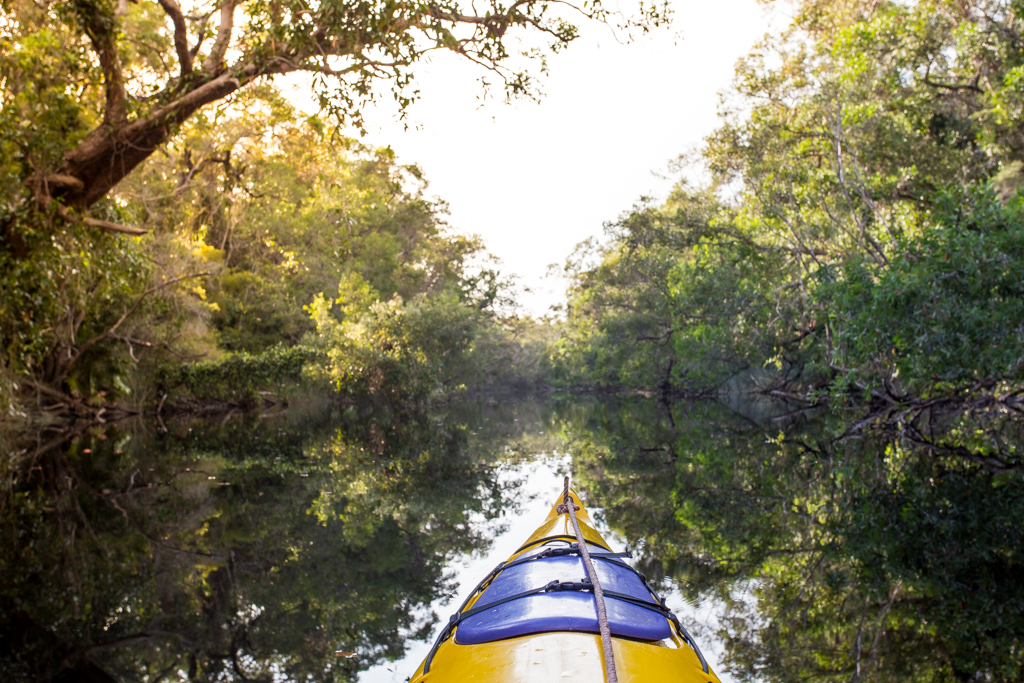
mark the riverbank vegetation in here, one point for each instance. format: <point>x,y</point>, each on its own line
<point>269,242</point>
<point>270,246</point>
<point>160,203</point>
<point>858,234</point>
<point>853,236</point>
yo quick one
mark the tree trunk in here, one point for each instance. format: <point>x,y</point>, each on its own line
<point>111,152</point>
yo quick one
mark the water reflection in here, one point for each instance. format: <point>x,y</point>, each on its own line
<point>245,549</point>
<point>883,557</point>
<point>251,549</point>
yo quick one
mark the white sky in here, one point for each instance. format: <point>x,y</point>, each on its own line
<point>535,179</point>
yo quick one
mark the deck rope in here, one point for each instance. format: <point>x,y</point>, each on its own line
<point>568,506</point>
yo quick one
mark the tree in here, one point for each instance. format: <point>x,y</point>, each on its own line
<point>869,158</point>
<point>90,89</point>
<point>139,71</point>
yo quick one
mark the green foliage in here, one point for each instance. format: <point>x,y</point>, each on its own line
<point>676,301</point>
<point>948,311</point>
<point>251,313</point>
<point>280,211</point>
<point>238,378</point>
<point>846,235</point>
<point>60,283</point>
<point>74,287</point>
<point>951,536</point>
<point>270,210</point>
<point>103,130</point>
<point>508,355</point>
<point>394,350</point>
<point>78,75</point>
<point>42,65</point>
<point>277,225</point>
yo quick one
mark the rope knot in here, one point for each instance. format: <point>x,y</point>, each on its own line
<point>564,507</point>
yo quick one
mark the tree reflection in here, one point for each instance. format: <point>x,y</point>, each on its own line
<point>887,555</point>
<point>252,549</point>
<point>239,550</point>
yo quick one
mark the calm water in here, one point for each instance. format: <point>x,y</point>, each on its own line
<point>253,547</point>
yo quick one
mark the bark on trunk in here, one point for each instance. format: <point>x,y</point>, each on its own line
<point>110,153</point>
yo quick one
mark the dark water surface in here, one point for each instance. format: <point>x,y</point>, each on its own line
<point>253,547</point>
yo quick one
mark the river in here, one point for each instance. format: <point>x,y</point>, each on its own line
<point>256,546</point>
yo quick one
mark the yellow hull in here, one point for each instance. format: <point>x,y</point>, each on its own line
<point>563,656</point>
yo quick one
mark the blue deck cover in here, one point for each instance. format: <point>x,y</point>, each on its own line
<point>563,610</point>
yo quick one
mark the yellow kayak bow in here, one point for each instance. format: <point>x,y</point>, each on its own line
<point>534,619</point>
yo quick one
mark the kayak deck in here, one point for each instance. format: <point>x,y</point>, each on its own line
<point>534,619</point>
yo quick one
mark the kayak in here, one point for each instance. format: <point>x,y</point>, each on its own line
<point>537,617</point>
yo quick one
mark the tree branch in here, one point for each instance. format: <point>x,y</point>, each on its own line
<point>379,46</point>
<point>102,28</point>
<point>972,86</point>
<point>213,63</point>
<point>63,212</point>
<point>114,227</point>
<point>132,342</point>
<point>111,332</point>
<point>200,33</point>
<point>173,10</point>
<point>194,170</point>
<point>102,159</point>
<point>63,181</point>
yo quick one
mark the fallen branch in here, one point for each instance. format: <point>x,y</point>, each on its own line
<point>803,409</point>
